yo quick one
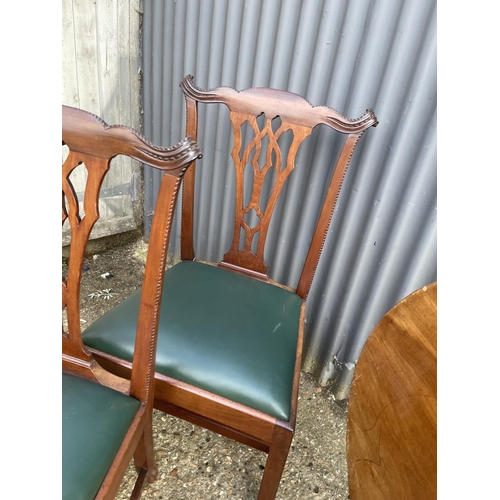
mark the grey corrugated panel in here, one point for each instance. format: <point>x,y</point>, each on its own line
<point>350,56</point>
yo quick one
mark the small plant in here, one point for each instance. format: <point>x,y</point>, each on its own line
<point>105,294</point>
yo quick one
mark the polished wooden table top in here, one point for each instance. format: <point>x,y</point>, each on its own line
<point>392,431</point>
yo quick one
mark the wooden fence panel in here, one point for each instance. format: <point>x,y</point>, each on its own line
<point>100,74</point>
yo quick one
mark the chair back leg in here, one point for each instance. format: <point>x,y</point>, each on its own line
<point>144,454</point>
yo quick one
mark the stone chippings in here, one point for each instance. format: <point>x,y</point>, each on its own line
<point>194,463</point>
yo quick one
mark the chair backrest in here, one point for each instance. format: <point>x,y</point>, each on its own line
<point>93,143</point>
<point>284,113</point>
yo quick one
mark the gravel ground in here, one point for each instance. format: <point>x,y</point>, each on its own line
<point>195,463</point>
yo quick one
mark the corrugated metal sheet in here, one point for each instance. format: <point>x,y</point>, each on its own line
<point>378,54</point>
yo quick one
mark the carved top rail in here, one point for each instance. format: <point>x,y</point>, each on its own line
<point>86,133</point>
<point>288,106</point>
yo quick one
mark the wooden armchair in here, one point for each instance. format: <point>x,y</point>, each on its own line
<point>229,355</point>
<point>106,420</point>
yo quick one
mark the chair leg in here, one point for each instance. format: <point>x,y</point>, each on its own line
<point>144,454</point>
<point>276,459</point>
<point>139,485</point>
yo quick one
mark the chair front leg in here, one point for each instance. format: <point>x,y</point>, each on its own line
<point>276,459</point>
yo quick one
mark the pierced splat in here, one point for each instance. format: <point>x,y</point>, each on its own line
<point>74,186</point>
<point>81,223</point>
<point>263,146</point>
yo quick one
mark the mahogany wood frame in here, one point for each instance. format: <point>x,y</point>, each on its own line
<point>231,419</point>
<point>94,143</point>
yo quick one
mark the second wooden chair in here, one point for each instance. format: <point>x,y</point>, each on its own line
<point>107,420</point>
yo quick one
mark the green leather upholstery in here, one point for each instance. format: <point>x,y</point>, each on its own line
<point>220,331</point>
<point>95,420</point>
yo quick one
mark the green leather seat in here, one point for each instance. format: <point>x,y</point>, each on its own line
<point>95,420</point>
<point>220,331</point>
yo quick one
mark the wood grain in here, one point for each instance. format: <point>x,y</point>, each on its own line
<point>392,431</point>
